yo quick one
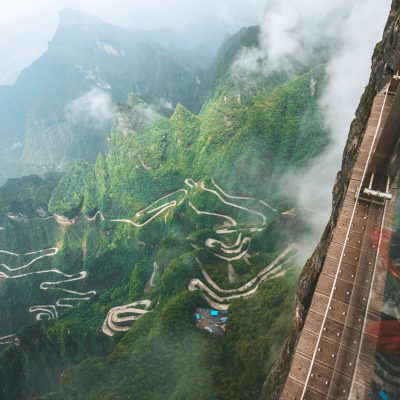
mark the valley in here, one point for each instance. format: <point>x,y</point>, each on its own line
<point>128,224</point>
<point>105,227</point>
<point>223,249</point>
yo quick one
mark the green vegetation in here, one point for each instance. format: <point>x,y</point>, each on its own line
<point>247,139</point>
<point>68,196</point>
<point>51,117</point>
<point>175,361</point>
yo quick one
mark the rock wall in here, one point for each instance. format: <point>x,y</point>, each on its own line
<point>385,63</point>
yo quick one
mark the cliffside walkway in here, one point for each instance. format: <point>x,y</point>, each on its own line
<point>335,352</point>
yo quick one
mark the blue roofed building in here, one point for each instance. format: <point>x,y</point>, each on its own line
<point>212,321</point>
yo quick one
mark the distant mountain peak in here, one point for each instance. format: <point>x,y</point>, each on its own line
<point>70,17</point>
<point>68,14</point>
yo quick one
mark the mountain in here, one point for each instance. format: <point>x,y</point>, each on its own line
<point>60,108</point>
<point>200,56</point>
<point>113,258</point>
<point>155,253</point>
<point>229,50</point>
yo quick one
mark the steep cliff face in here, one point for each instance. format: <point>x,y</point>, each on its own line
<point>61,107</point>
<point>385,63</point>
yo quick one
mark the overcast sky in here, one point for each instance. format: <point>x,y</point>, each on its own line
<point>27,25</point>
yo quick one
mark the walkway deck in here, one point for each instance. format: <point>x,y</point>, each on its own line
<point>334,356</point>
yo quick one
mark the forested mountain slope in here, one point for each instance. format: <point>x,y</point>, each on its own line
<point>60,107</point>
<point>181,212</point>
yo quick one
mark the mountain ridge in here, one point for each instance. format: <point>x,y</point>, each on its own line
<point>85,53</point>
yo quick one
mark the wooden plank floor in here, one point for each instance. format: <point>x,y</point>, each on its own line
<point>333,355</point>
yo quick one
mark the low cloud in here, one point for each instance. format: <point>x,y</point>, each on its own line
<point>94,108</point>
<point>347,75</point>
<point>26,26</point>
<point>295,32</point>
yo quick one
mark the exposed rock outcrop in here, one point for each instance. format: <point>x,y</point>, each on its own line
<point>385,63</point>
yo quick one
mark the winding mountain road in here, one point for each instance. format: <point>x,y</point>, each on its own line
<point>9,339</point>
<point>51,253</point>
<point>245,291</point>
<point>226,251</point>
<point>117,317</point>
<point>48,311</point>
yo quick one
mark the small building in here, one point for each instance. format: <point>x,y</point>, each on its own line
<point>210,320</point>
<point>383,395</point>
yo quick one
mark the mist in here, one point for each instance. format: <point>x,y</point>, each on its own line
<point>94,108</point>
<point>348,72</point>
<point>294,31</point>
<point>27,26</point>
